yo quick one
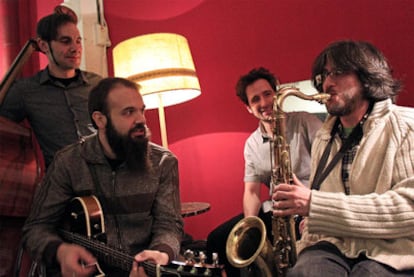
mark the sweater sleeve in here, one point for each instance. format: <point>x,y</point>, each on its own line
<point>168,225</point>
<point>40,235</point>
<point>386,216</point>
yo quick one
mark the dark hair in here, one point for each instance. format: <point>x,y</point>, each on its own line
<point>366,61</point>
<point>47,27</point>
<point>251,77</point>
<point>99,94</point>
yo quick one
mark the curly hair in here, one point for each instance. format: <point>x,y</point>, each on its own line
<point>251,77</point>
<point>366,61</point>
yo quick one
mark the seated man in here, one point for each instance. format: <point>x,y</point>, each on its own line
<point>360,210</point>
<point>256,90</point>
<point>135,181</point>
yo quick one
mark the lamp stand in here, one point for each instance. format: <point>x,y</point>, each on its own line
<point>163,127</point>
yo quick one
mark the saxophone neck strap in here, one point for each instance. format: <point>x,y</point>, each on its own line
<point>353,139</point>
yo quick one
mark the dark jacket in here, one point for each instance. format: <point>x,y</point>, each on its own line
<point>142,211</point>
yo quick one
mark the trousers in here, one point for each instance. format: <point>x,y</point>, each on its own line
<point>324,259</point>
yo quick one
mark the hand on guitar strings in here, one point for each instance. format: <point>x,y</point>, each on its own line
<point>73,258</point>
<point>152,256</point>
<point>137,271</point>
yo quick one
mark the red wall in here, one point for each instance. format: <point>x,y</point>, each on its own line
<point>228,38</point>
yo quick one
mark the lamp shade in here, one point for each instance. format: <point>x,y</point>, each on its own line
<point>161,64</point>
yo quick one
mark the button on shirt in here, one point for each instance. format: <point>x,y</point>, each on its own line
<point>57,114</point>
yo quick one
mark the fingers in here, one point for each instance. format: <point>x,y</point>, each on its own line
<point>291,200</point>
<point>283,191</point>
<point>284,200</point>
<point>154,256</point>
<point>75,260</point>
<point>134,270</point>
<point>141,271</point>
<point>284,207</point>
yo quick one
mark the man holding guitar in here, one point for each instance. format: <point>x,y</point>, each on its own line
<point>135,185</point>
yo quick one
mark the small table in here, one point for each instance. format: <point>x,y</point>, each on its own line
<point>194,208</point>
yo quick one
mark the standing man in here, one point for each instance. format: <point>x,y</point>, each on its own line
<point>256,90</point>
<point>359,213</point>
<point>55,99</point>
<point>135,181</point>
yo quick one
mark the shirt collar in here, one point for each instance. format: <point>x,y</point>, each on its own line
<point>262,130</point>
<point>45,76</point>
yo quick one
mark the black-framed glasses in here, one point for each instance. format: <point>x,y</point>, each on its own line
<point>334,74</point>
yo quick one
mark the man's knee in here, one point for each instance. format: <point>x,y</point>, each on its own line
<point>370,268</point>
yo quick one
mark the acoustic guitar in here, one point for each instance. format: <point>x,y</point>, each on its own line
<point>84,225</point>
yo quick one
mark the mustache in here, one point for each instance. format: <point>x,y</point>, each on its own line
<point>139,127</point>
<point>330,90</point>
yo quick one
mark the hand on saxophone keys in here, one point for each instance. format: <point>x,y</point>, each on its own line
<point>291,199</point>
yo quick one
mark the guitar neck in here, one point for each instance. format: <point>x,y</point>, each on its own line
<point>106,254</point>
<point>84,212</point>
<point>123,261</point>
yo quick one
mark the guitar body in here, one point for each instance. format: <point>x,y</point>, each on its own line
<point>84,216</point>
<point>84,225</point>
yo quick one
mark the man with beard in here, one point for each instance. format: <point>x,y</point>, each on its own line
<point>359,212</point>
<point>136,182</point>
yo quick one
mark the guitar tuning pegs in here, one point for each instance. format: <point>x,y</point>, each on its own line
<point>203,257</point>
<point>189,256</point>
<point>215,259</point>
<point>207,272</point>
<point>180,268</point>
<point>194,271</point>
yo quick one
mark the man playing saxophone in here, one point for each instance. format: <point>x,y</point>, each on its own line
<point>257,90</point>
<point>359,210</point>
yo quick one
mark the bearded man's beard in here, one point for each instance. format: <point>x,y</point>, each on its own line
<point>134,151</point>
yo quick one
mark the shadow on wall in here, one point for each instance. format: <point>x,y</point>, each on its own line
<point>211,170</point>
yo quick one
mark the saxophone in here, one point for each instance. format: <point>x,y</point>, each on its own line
<point>247,245</point>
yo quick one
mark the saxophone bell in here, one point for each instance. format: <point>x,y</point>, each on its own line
<point>247,246</point>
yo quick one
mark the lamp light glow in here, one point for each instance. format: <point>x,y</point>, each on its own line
<point>162,65</point>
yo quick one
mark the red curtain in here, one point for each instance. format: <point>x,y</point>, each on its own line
<point>15,192</point>
<point>17,24</point>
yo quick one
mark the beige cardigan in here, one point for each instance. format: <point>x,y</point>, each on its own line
<point>378,217</point>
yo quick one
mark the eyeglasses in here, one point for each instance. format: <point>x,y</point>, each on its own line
<point>334,74</point>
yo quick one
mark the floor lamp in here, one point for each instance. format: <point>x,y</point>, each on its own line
<point>162,65</point>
